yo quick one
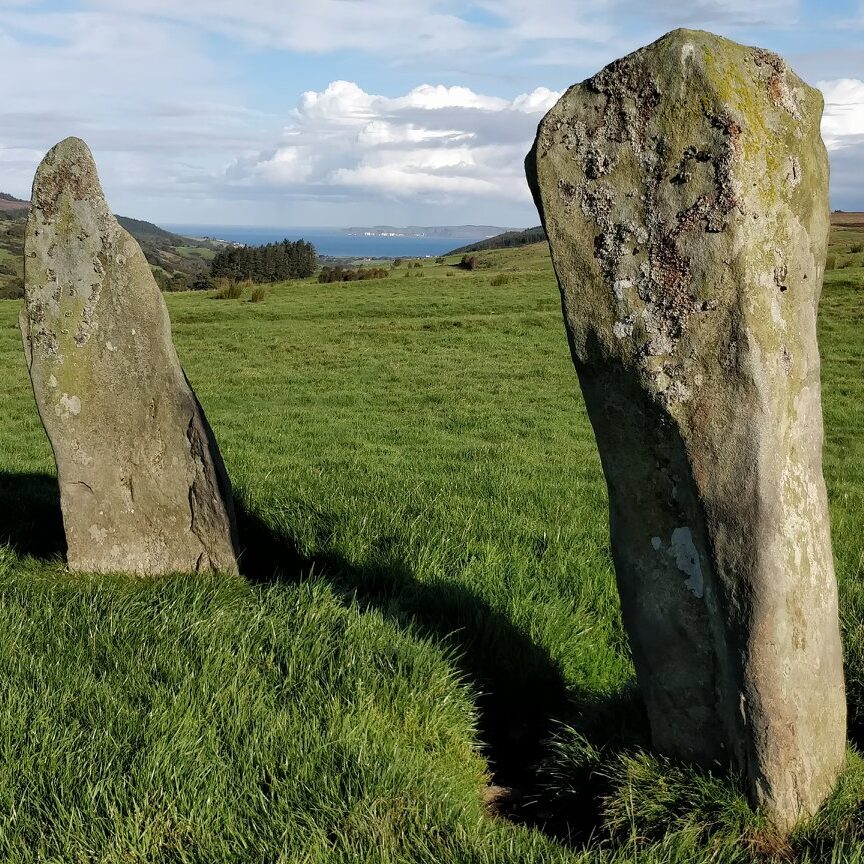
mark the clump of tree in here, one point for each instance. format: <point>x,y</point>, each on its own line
<point>474,262</point>
<point>272,262</point>
<point>351,274</point>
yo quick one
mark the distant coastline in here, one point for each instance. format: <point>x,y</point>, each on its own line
<point>339,243</point>
<point>451,232</point>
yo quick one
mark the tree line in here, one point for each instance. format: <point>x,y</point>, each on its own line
<point>272,262</point>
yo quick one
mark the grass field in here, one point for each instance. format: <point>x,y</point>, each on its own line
<point>424,660</point>
<point>200,252</point>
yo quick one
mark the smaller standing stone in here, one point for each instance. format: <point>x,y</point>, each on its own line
<point>142,485</point>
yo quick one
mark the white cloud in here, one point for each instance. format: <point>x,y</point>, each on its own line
<point>428,28</point>
<point>538,101</point>
<point>847,182</point>
<point>166,107</point>
<point>326,25</point>
<point>431,98</point>
<point>443,142</point>
<point>776,14</point>
<point>395,27</point>
<point>843,119</point>
<point>145,95</point>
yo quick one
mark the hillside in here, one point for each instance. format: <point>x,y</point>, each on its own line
<point>175,260</point>
<point>507,240</point>
<point>12,253</point>
<point>184,259</point>
<point>9,204</point>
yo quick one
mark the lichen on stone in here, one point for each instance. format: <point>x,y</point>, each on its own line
<point>684,193</point>
<point>110,389</point>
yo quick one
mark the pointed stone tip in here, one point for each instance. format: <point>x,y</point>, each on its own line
<point>679,38</point>
<point>68,168</point>
<point>72,146</point>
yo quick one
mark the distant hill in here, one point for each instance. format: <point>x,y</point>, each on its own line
<point>139,228</point>
<point>507,240</point>
<point>843,219</point>
<point>176,261</point>
<point>10,205</point>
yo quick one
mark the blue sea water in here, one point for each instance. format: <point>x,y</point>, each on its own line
<point>328,241</point>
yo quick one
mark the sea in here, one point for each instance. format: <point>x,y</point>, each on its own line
<point>329,242</point>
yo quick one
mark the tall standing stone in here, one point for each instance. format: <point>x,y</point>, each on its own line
<point>142,485</point>
<point>684,192</point>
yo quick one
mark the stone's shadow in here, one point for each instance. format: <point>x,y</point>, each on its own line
<point>854,712</point>
<point>521,697</point>
<point>30,518</point>
<point>520,689</point>
<point>521,693</point>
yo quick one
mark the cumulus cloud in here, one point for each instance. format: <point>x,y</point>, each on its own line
<point>441,142</point>
<point>843,118</point>
<point>438,144</point>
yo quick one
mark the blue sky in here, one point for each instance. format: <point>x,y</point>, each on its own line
<point>337,112</point>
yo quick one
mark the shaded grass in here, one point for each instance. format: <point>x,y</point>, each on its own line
<point>429,604</point>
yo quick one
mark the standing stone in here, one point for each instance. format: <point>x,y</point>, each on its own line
<point>684,190</point>
<point>142,485</point>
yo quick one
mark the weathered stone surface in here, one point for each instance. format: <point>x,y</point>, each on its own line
<point>684,192</point>
<point>142,485</point>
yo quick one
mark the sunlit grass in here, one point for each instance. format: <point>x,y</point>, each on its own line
<point>428,586</point>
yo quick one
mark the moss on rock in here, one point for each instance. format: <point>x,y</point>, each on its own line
<point>683,189</point>
<point>142,485</point>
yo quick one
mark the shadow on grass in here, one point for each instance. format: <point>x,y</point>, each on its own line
<point>30,518</point>
<point>546,780</point>
<point>522,696</point>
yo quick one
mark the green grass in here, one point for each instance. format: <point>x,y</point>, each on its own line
<point>200,252</point>
<point>428,603</point>
<point>231,291</point>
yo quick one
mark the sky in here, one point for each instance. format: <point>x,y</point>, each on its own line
<point>358,112</point>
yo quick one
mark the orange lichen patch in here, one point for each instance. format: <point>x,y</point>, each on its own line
<point>778,89</point>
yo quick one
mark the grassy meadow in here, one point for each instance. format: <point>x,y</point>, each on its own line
<point>423,660</point>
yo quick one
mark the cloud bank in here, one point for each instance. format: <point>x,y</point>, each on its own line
<point>442,143</point>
